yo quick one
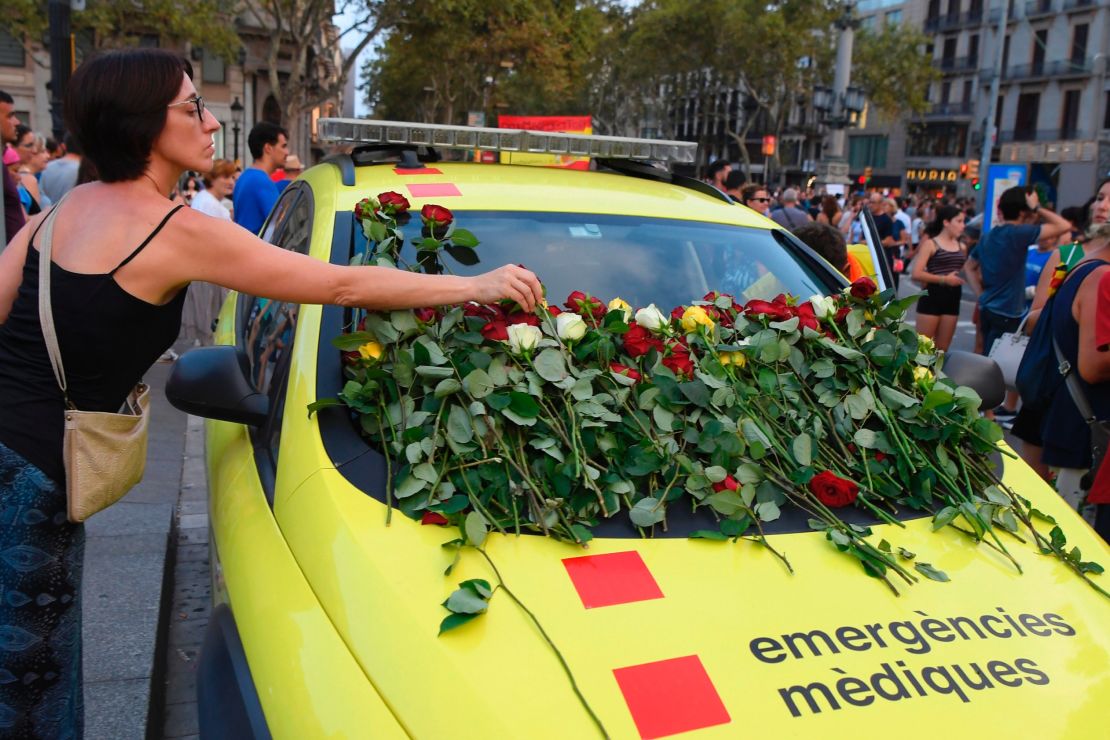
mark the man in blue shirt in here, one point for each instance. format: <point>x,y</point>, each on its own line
<point>996,267</point>
<point>255,193</point>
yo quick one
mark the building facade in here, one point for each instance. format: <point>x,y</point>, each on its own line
<point>1051,113</point>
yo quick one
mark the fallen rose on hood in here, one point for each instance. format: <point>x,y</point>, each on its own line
<point>554,311</point>
<point>523,338</point>
<point>482,311</point>
<point>393,203</point>
<point>521,317</point>
<point>680,363</point>
<point>695,316</point>
<point>433,517</point>
<point>618,369</point>
<point>619,305</point>
<point>425,315</point>
<point>371,351</point>
<point>728,484</point>
<point>570,327</point>
<point>366,208</point>
<point>585,305</point>
<point>652,319</point>
<point>806,317</point>
<point>496,330</point>
<point>832,490</point>
<point>773,310</point>
<point>433,216</point>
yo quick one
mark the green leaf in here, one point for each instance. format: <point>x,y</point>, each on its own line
<point>426,472</point>
<point>323,403</point>
<point>895,399</point>
<point>768,511</point>
<point>930,572</point>
<point>664,419</point>
<point>451,621</point>
<point>446,387</point>
<point>646,512</point>
<point>696,391</point>
<point>377,230</point>
<point>459,427</point>
<point>431,371</point>
<point>736,527</point>
<point>726,502</point>
<point>465,601</point>
<point>476,528</point>
<point>550,366</point>
<point>906,554</point>
<point>410,486</point>
<point>478,383</point>
<point>352,341</point>
<point>803,449</point>
<point>944,517</point>
<point>709,534</point>
<point>523,405</point>
<point>464,238</point>
<point>716,474</point>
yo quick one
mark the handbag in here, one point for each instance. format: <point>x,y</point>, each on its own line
<point>104,453</point>
<point>1100,430</point>
<point>1008,350</point>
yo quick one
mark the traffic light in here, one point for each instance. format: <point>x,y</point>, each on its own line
<point>866,175</point>
<point>973,170</point>
<point>862,179</point>
<point>963,170</point>
<point>976,184</point>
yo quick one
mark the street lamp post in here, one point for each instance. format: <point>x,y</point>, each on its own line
<point>236,123</point>
<point>840,106</point>
<point>61,63</point>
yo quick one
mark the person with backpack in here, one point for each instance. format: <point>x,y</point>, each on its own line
<point>1065,319</point>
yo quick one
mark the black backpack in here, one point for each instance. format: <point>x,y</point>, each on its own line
<point>1041,374</point>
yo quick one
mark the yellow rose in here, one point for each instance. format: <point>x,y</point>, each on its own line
<point>618,305</point>
<point>925,344</point>
<point>693,316</point>
<point>370,351</point>
<point>923,375</point>
<point>737,359</point>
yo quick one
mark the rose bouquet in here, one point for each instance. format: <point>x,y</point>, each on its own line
<point>493,419</point>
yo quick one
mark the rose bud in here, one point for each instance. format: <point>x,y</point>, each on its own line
<point>728,484</point>
<point>523,338</point>
<point>863,288</point>
<point>618,305</point>
<point>393,203</point>
<point>652,319</point>
<point>570,327</point>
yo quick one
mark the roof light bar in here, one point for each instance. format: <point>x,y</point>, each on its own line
<point>363,131</point>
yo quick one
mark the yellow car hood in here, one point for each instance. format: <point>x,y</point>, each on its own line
<point>665,636</point>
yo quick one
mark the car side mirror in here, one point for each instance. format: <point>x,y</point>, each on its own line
<point>211,382</point>
<point>981,374</point>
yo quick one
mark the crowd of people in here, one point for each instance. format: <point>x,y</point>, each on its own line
<point>1029,254</point>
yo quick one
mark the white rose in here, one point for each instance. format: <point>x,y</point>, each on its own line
<point>651,318</point>
<point>823,305</point>
<point>523,338</point>
<point>570,326</point>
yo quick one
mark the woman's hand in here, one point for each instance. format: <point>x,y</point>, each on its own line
<point>512,282</point>
<point>953,280</point>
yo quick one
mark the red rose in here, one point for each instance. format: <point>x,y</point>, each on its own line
<point>676,313</point>
<point>863,288</point>
<point>619,369</point>
<point>638,341</point>
<point>433,517</point>
<point>523,318</point>
<point>842,313</point>
<point>496,330</point>
<point>806,316</point>
<point>772,310</point>
<point>434,215</point>
<point>879,456</point>
<point>679,363</point>
<point>554,311</point>
<point>364,209</point>
<point>586,305</point>
<point>832,490</point>
<point>483,312</point>
<point>393,203</point>
<point>728,484</point>
<point>425,315</point>
<point>350,358</point>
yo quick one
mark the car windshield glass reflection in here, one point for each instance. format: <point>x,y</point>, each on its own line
<point>642,260</point>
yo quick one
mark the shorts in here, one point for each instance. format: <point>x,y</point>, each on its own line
<point>1027,426</point>
<point>941,300</point>
<point>993,326</point>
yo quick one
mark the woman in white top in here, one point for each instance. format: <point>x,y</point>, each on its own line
<point>204,300</point>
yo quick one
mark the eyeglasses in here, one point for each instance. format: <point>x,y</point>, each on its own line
<point>197,100</point>
<point>760,200</point>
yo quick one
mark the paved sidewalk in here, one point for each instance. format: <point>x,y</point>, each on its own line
<point>126,585</point>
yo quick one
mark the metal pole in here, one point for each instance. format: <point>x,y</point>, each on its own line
<point>992,108</point>
<point>841,78</point>
<point>61,62</point>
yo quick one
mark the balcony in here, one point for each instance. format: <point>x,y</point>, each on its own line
<point>1038,9</point>
<point>940,23</point>
<point>951,110</point>
<point>1044,134</point>
<point>996,14</point>
<point>1071,6</point>
<point>956,65</point>
<point>1057,69</point>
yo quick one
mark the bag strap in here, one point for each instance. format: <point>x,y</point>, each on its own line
<point>46,311</point>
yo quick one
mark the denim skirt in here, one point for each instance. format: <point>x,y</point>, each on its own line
<point>41,556</point>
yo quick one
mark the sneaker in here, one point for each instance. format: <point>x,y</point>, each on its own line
<point>1001,412</point>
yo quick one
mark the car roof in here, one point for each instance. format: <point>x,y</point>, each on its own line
<point>505,187</point>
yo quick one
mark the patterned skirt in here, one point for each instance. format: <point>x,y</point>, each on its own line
<point>41,556</point>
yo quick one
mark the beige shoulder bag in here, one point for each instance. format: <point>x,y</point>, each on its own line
<point>104,453</point>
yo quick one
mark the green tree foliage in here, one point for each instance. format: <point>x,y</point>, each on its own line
<point>117,23</point>
<point>887,64</point>
<point>444,58</point>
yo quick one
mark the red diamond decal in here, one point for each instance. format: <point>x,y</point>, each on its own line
<point>671,696</point>
<point>432,189</point>
<point>614,578</point>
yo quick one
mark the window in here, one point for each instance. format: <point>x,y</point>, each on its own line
<point>934,8</point>
<point>214,69</point>
<point>1069,116</point>
<point>866,151</point>
<point>941,139</point>
<point>998,113</point>
<point>949,51</point>
<point>1040,41</point>
<point>894,17</point>
<point>973,50</point>
<point>1025,123</point>
<point>976,10</point>
<point>1006,53</point>
<point>967,95</point>
<point>267,327</point>
<point>1079,42</point>
<point>11,51</point>
<point>953,8</point>
<point>945,92</point>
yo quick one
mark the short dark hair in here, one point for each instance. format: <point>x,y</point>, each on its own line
<point>5,98</point>
<point>826,241</point>
<point>116,107</point>
<point>262,134</point>
<point>716,166</point>
<point>73,146</point>
<point>749,191</point>
<point>20,131</point>
<point>735,180</point>
<point>1012,202</point>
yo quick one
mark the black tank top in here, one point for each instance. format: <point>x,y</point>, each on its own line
<point>108,338</point>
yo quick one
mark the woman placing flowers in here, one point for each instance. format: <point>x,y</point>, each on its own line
<point>118,291</point>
